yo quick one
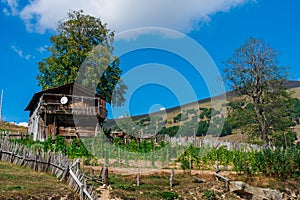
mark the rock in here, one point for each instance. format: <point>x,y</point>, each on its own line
<point>264,193</point>
<point>198,180</point>
<point>255,193</point>
<point>237,185</point>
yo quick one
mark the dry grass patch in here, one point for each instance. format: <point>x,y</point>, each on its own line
<point>22,183</point>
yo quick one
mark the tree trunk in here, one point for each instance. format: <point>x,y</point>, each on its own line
<point>262,122</point>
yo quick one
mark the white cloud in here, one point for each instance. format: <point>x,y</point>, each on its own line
<point>181,15</point>
<point>42,48</point>
<point>12,7</point>
<point>25,124</point>
<point>20,53</point>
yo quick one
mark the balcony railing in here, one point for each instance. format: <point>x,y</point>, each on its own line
<point>76,105</point>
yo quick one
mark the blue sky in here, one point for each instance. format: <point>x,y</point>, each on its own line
<point>219,26</point>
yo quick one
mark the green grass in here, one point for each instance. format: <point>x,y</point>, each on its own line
<point>22,183</point>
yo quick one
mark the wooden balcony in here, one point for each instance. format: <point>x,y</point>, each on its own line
<point>86,106</point>
<point>89,110</point>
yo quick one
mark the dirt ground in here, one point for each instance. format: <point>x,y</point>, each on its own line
<point>154,183</point>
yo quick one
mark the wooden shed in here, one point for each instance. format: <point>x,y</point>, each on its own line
<point>69,110</point>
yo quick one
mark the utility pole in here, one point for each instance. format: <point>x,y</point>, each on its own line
<point>1,101</point>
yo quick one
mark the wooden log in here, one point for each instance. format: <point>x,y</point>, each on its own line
<point>198,180</point>
<point>218,176</point>
<point>222,177</point>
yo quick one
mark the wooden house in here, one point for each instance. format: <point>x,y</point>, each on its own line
<point>70,110</point>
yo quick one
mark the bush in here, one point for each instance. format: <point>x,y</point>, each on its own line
<point>185,164</point>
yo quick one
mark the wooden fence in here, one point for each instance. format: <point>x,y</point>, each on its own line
<point>61,166</point>
<point>13,135</point>
<point>210,142</point>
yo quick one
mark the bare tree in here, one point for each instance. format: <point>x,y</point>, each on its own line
<point>252,72</point>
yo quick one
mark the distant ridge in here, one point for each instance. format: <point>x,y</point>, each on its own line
<point>292,84</point>
<point>112,122</point>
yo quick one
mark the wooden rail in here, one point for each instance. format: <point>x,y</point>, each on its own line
<point>220,177</point>
<point>13,135</point>
<point>61,166</point>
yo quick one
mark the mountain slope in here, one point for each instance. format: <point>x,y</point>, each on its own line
<point>294,86</point>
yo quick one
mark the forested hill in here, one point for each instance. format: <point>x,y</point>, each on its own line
<point>172,112</point>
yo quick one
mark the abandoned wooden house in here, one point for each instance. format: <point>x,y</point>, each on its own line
<point>70,110</point>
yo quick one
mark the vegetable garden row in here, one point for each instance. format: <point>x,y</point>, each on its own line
<point>280,163</point>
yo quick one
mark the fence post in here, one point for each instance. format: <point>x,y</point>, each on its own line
<point>101,176</point>
<point>119,155</point>
<point>81,192</point>
<point>49,160</point>
<point>190,163</point>
<point>84,183</point>
<point>35,162</point>
<point>91,171</point>
<point>24,157</point>
<point>138,177</point>
<point>106,174</point>
<point>12,155</point>
<point>172,178</point>
<point>64,177</point>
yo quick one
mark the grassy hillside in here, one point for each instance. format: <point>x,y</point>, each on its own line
<point>294,86</point>
<point>296,92</point>
<point>12,127</point>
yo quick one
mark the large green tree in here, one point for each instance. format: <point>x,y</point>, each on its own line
<point>83,43</point>
<point>264,105</point>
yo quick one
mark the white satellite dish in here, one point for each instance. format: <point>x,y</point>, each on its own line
<point>64,100</point>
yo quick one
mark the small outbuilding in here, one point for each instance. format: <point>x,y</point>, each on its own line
<point>69,110</point>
